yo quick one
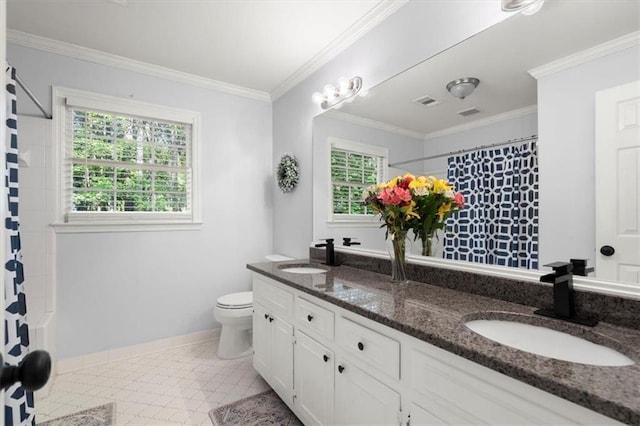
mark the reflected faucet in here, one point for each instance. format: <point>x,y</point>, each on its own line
<point>330,254</point>
<point>347,241</point>
<point>563,295</point>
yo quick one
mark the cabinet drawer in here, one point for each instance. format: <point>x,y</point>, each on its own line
<point>273,298</point>
<point>313,318</point>
<point>369,346</point>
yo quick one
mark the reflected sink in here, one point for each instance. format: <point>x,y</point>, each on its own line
<point>547,342</point>
<point>302,269</point>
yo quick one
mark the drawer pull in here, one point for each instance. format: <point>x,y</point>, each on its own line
<point>266,316</point>
<point>325,358</point>
<point>361,346</point>
<point>270,319</point>
<point>340,369</point>
<point>309,318</point>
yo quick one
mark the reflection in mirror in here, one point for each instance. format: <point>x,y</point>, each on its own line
<point>539,76</point>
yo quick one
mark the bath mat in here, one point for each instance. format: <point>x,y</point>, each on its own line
<point>104,415</point>
<point>265,408</point>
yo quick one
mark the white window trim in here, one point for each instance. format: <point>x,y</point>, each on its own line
<point>139,221</point>
<point>339,220</point>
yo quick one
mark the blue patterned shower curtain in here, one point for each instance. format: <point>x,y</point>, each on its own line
<point>499,224</point>
<point>19,407</point>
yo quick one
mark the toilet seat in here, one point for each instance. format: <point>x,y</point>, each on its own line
<point>241,300</point>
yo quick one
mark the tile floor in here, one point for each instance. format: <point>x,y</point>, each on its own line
<point>172,387</point>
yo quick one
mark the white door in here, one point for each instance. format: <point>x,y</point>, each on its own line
<point>362,400</point>
<point>281,358</point>
<point>261,340</point>
<point>313,381</point>
<point>618,183</point>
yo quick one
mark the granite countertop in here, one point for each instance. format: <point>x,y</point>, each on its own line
<point>437,315</point>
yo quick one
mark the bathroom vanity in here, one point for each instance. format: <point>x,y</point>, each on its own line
<point>349,347</point>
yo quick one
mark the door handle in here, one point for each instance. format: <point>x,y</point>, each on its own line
<point>325,358</point>
<point>607,250</point>
<point>33,372</point>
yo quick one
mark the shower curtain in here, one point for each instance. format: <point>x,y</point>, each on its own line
<point>19,407</point>
<point>499,224</point>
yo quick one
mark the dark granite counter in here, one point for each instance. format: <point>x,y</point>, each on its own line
<point>437,315</point>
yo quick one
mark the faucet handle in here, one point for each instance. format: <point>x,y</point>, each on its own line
<point>329,242</point>
<point>560,268</point>
<point>346,241</point>
<point>580,267</point>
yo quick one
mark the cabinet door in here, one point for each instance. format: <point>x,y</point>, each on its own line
<point>361,399</point>
<point>261,340</point>
<point>282,358</point>
<point>420,416</point>
<point>314,375</point>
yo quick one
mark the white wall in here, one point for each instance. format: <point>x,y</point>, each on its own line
<point>566,111</point>
<point>415,32</point>
<point>400,148</point>
<point>502,131</point>
<point>120,289</point>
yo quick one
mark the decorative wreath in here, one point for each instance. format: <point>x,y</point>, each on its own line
<point>287,173</point>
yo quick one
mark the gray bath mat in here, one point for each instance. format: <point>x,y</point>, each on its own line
<point>104,415</point>
<point>262,409</point>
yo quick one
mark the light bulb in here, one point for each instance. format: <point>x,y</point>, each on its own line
<point>329,91</point>
<point>343,84</point>
<point>317,98</point>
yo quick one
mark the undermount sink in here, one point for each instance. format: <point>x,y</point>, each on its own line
<point>548,342</point>
<point>302,269</point>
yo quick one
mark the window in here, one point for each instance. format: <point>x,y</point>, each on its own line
<point>354,166</point>
<point>125,162</point>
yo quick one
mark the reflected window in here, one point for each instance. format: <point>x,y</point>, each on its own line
<point>354,167</point>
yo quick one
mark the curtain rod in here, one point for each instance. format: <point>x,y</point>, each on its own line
<point>462,151</point>
<point>32,96</point>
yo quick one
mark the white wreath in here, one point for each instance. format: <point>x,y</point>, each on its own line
<point>287,173</point>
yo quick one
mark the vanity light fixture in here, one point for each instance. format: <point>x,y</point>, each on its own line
<point>528,7</point>
<point>333,96</point>
<point>462,87</point>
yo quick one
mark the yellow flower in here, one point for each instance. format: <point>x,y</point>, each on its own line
<point>440,186</point>
<point>443,210</point>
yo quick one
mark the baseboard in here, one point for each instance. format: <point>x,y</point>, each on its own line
<point>97,358</point>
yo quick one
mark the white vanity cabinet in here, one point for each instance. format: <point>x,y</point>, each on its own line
<point>352,370</point>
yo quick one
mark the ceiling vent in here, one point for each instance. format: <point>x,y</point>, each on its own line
<point>425,101</point>
<point>469,111</point>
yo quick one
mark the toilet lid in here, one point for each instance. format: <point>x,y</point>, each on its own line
<point>239,300</point>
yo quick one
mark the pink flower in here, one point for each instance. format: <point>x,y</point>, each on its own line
<point>458,199</point>
<point>394,196</point>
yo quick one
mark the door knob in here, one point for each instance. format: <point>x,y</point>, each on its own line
<point>607,250</point>
<point>361,346</point>
<point>33,372</point>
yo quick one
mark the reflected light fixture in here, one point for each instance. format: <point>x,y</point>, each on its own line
<point>462,87</point>
<point>333,96</point>
<point>528,7</point>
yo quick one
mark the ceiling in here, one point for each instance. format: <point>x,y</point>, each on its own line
<point>264,45</point>
<point>500,57</point>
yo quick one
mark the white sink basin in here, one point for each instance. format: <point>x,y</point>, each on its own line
<point>303,270</point>
<point>547,342</point>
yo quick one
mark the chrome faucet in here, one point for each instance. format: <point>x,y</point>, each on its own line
<point>563,295</point>
<point>330,254</point>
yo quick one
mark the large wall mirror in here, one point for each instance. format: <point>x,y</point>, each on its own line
<point>539,78</point>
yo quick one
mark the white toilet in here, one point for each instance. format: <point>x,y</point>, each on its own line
<point>234,312</point>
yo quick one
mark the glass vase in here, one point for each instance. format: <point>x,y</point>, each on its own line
<point>397,254</point>
<point>429,245</point>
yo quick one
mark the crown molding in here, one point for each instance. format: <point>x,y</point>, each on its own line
<point>520,112</point>
<point>376,15</point>
<point>120,62</point>
<point>598,51</point>
<point>367,122</point>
